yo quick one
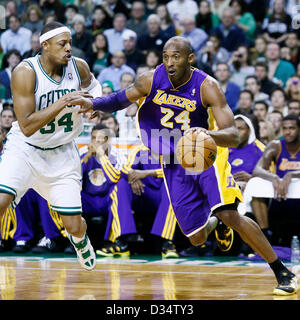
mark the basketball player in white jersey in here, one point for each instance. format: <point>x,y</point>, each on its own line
<point>40,152</point>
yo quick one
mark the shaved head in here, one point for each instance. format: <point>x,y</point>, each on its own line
<point>179,43</point>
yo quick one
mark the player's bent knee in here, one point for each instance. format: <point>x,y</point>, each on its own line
<point>5,200</point>
<point>198,238</point>
<point>231,218</point>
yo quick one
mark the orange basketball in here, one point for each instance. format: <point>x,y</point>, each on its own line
<point>196,152</point>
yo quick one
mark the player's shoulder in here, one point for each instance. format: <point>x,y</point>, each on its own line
<point>261,146</point>
<point>23,69</point>
<point>81,64</point>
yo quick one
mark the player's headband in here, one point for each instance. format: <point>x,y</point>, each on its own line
<point>53,33</point>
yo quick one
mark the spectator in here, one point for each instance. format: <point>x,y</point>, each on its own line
<point>70,11</point>
<point>113,7</point>
<point>292,42</point>
<point>150,6</point>
<point>34,19</point>
<point>230,35</point>
<point>115,70</point>
<point>292,88</point>
<point>261,72</point>
<point>211,55</point>
<point>49,17</point>
<point>241,66</point>
<point>259,50</point>
<point>282,218</point>
<point>279,101</point>
<point>180,9</point>
<point>246,100</point>
<point>258,10</point>
<point>137,22</point>
<point>285,54</point>
<point>218,7</point>
<point>99,59</point>
<point>8,116</point>
<point>260,110</point>
<point>196,36</point>
<point>153,59</point>
<point>3,133</point>
<point>244,19</point>
<point>254,85</point>
<point>81,39</point>
<point>11,8</point>
<point>277,25</point>
<point>100,20</point>
<point>114,35</point>
<point>205,19</point>
<point>107,88</point>
<point>294,107</point>
<point>141,69</point>
<point>167,26</point>
<point>275,118</point>
<point>279,70</point>
<point>54,6</point>
<point>266,131</point>
<point>231,90</point>
<point>16,37</point>
<point>111,122</point>
<point>35,46</point>
<point>153,38</point>
<point>13,58</point>
<point>134,56</point>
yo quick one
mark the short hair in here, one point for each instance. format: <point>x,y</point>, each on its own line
<point>262,64</point>
<point>51,25</point>
<point>292,117</point>
<point>107,116</point>
<point>9,108</point>
<point>279,89</point>
<point>247,91</point>
<point>294,100</point>
<point>278,112</point>
<point>262,102</point>
<point>100,126</point>
<point>184,41</point>
<point>224,63</point>
<point>253,77</point>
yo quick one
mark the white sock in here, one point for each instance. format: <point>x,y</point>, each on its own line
<point>77,240</point>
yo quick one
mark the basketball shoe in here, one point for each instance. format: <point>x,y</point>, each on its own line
<point>224,236</point>
<point>85,252</point>
<point>117,248</point>
<point>287,283</point>
<point>168,250</point>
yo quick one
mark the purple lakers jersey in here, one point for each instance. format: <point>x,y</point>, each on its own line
<point>167,111</point>
<point>287,162</point>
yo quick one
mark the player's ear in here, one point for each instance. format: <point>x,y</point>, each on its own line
<point>191,58</point>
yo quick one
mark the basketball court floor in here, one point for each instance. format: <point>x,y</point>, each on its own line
<point>60,277</point>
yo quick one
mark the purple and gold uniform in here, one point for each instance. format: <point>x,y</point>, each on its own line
<point>286,161</point>
<point>166,112</point>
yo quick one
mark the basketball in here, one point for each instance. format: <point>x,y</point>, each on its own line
<point>196,152</point>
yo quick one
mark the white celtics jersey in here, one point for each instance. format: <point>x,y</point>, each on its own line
<point>67,125</point>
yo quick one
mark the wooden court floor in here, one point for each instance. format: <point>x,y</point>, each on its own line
<point>61,278</point>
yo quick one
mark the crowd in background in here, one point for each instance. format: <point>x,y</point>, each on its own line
<point>251,47</point>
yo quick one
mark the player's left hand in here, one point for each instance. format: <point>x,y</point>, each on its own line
<point>81,98</point>
<point>195,130</point>
<point>242,176</point>
<point>138,187</point>
<point>135,175</point>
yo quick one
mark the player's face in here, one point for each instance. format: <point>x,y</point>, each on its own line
<point>59,48</point>
<point>98,137</point>
<point>176,62</point>
<point>290,131</point>
<point>243,131</point>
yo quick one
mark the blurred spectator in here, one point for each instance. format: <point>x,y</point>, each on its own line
<point>100,20</point>
<point>53,6</point>
<point>35,46</point>
<point>11,8</point>
<point>16,37</point>
<point>114,35</point>
<point>260,110</point>
<point>167,26</point>
<point>205,19</point>
<point>292,42</point>
<point>81,39</point>
<point>134,56</point>
<point>211,55</point>
<point>292,88</point>
<point>278,24</point>
<point>294,107</point>
<point>137,22</point>
<point>49,17</point>
<point>111,122</point>
<point>244,19</point>
<point>150,6</point>
<point>153,38</point>
<point>141,69</point>
<point>254,85</point>
<point>34,19</point>
<point>180,9</point>
<point>245,103</point>
<point>275,118</point>
<point>261,71</point>
<point>258,10</point>
<point>70,11</point>
<point>107,88</point>
<point>259,50</point>
<point>231,90</point>
<point>115,70</point>
<point>23,7</point>
<point>266,131</point>
<point>196,36</point>
<point>114,7</point>
<point>13,58</point>
<point>7,117</point>
<point>285,54</point>
<point>218,6</point>
<point>2,137</point>
<point>241,65</point>
<point>99,59</point>
<point>278,101</point>
<point>230,35</point>
<point>153,59</point>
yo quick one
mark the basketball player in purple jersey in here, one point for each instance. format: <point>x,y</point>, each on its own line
<point>176,96</point>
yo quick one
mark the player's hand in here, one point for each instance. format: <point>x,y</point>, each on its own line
<point>285,184</point>
<point>278,186</point>
<point>242,176</point>
<point>195,130</point>
<point>138,187</point>
<point>81,98</point>
<point>135,175</point>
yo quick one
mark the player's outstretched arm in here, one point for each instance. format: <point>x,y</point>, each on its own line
<point>30,120</point>
<point>227,135</point>
<point>118,100</point>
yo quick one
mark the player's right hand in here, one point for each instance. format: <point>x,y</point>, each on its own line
<point>81,98</point>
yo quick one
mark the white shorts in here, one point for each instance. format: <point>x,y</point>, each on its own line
<point>54,174</point>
